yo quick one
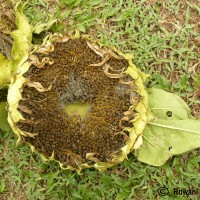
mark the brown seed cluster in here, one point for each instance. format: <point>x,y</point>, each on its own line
<point>75,140</point>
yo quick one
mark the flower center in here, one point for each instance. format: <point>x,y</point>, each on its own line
<point>77,109</point>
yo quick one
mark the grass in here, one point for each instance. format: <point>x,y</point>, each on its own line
<point>25,176</point>
<point>163,36</point>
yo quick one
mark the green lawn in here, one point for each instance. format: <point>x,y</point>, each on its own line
<point>164,38</point>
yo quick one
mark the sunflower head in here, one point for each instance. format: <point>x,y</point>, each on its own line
<point>78,103</point>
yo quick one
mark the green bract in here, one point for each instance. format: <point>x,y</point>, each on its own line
<point>6,71</point>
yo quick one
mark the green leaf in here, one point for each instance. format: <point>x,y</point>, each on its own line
<point>23,23</point>
<point>64,14</point>
<point>39,27</point>
<point>165,105</point>
<point>171,132</point>
<point>58,27</point>
<point>95,2</point>
<point>165,138</point>
<point>4,126</point>
<point>2,185</point>
<point>196,79</point>
<point>81,28</point>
